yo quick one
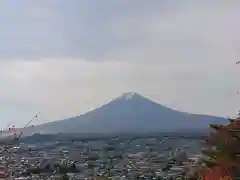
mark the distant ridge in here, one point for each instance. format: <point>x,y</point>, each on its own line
<point>129,113</point>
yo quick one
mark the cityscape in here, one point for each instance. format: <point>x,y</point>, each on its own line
<point>159,157</point>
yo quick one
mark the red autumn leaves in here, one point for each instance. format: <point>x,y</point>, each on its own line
<point>224,151</point>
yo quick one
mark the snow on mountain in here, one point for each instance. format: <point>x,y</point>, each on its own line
<point>127,96</point>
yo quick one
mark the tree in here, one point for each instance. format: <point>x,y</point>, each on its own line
<point>222,156</point>
<point>65,177</point>
<point>136,176</point>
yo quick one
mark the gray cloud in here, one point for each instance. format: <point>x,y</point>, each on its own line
<point>89,29</point>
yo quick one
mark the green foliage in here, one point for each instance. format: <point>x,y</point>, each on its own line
<point>216,126</point>
<point>65,177</point>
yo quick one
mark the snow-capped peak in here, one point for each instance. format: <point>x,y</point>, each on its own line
<point>127,96</point>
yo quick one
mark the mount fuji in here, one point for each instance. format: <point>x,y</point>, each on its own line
<point>130,113</point>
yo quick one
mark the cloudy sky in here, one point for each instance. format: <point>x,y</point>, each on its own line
<point>65,57</point>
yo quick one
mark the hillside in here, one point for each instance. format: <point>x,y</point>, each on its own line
<point>130,113</point>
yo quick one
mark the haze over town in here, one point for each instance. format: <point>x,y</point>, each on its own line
<point>63,58</point>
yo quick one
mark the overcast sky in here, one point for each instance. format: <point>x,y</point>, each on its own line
<point>65,57</point>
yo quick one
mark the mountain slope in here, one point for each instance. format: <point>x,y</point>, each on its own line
<point>130,113</point>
